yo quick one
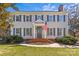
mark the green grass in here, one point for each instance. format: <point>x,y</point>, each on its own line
<point>16,50</point>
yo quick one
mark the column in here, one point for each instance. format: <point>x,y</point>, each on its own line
<point>34,31</point>
<point>45,33</point>
<point>22,32</point>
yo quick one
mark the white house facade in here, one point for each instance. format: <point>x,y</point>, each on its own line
<point>30,24</point>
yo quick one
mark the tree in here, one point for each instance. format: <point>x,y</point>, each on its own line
<point>5,17</point>
<point>73,13</point>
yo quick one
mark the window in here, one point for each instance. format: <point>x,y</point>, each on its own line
<point>27,18</point>
<point>59,31</point>
<point>27,31</point>
<point>57,18</point>
<point>38,17</point>
<point>60,17</point>
<point>18,31</point>
<point>64,31</point>
<point>18,17</point>
<point>49,17</point>
<point>49,32</point>
<point>53,31</point>
<point>13,31</point>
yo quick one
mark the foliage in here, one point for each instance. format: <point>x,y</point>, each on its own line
<point>5,17</point>
<point>14,39</point>
<point>69,40</point>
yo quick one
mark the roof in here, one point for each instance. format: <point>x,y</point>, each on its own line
<point>39,12</point>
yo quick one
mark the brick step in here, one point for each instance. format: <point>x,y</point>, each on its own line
<point>43,40</point>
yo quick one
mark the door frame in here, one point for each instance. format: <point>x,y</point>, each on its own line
<point>38,33</point>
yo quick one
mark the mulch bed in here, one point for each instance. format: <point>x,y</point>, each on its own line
<point>40,41</point>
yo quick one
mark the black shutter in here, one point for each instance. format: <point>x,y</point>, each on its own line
<point>54,31</point>
<point>20,17</point>
<point>35,17</point>
<point>47,17</point>
<point>54,18</point>
<point>24,18</point>
<point>42,17</point>
<point>57,18</point>
<point>64,18</point>
<point>30,18</point>
<point>57,31</point>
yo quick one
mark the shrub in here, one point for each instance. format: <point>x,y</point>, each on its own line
<point>67,40</point>
<point>2,40</point>
<point>14,39</point>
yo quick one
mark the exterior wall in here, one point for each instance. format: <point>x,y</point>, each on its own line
<point>30,24</point>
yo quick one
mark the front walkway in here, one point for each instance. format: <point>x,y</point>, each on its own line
<point>51,45</point>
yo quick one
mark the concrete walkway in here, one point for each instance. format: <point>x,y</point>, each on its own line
<point>51,45</point>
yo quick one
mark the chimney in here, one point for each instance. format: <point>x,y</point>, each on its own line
<point>61,8</point>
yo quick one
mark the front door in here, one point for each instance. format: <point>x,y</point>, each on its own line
<point>39,32</point>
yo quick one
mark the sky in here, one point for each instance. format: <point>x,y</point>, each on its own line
<point>40,6</point>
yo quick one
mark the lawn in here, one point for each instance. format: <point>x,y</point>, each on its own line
<point>17,50</point>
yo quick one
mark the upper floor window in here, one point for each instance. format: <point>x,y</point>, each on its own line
<point>60,18</point>
<point>37,17</point>
<point>18,17</point>
<point>50,18</point>
<point>27,18</point>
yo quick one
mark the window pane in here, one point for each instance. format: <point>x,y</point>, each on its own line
<point>17,18</point>
<point>64,32</point>
<point>59,31</point>
<point>27,18</point>
<point>18,31</point>
<point>53,31</point>
<point>13,31</point>
<point>30,31</point>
